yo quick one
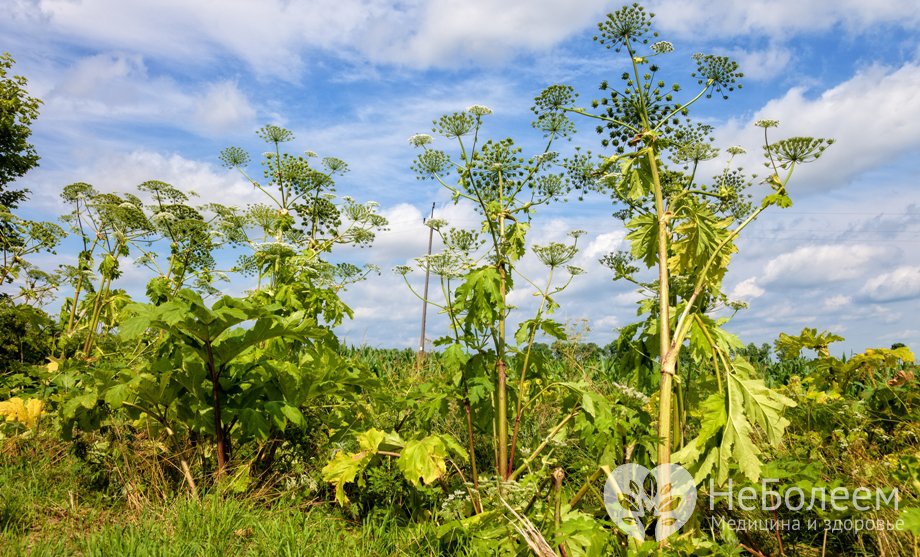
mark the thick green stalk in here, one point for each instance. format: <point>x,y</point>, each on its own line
<point>502,394</point>
<point>76,296</point>
<point>219,440</point>
<point>666,361</point>
<point>520,397</point>
<point>101,294</point>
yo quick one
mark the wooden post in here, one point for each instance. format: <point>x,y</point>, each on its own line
<point>420,355</point>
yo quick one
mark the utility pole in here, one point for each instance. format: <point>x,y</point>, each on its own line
<point>421,343</point>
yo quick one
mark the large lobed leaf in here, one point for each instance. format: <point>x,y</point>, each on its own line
<point>727,431</point>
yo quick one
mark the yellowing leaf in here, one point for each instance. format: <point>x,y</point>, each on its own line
<point>346,467</point>
<point>26,412</point>
<point>343,469</point>
<point>423,459</point>
<point>371,439</point>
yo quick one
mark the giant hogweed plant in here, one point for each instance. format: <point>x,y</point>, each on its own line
<point>301,221</point>
<point>495,378</point>
<point>474,386</point>
<point>506,188</point>
<point>237,372</point>
<point>242,369</point>
<point>684,228</point>
<point>108,225</point>
<point>169,236</point>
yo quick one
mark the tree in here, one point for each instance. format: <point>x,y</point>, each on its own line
<point>18,237</point>
<point>17,111</point>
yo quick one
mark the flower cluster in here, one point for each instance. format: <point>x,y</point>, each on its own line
<point>420,140</point>
<point>720,72</point>
<point>798,150</point>
<point>555,254</point>
<point>629,23</point>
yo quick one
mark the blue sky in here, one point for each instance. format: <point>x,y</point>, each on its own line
<point>138,90</point>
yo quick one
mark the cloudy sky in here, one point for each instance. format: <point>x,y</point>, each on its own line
<point>143,89</point>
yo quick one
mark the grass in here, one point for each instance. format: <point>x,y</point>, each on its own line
<point>52,503</point>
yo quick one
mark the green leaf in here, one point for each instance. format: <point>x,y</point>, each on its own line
<point>234,344</point>
<point>553,329</point>
<point>697,235</point>
<point>138,323</point>
<point>635,177</point>
<point>480,294</point>
<point>254,423</point>
<point>779,199</point>
<point>454,359</point>
<point>455,448</point>
<point>910,519</point>
<point>727,428</point>
<point>115,396</point>
<point>515,240</point>
<point>548,326</point>
<point>294,415</point>
<point>87,401</point>
<point>643,238</point>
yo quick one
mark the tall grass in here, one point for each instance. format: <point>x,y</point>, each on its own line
<point>51,503</point>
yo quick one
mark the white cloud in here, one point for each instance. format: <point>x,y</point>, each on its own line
<point>274,36</point>
<point>822,264</point>
<point>901,284</point>
<point>746,290</point>
<point>603,244</point>
<point>119,87</point>
<point>837,302</point>
<point>605,324</point>
<point>779,18</point>
<point>871,116</point>
<point>762,65</point>
<point>224,108</point>
<point>449,31</point>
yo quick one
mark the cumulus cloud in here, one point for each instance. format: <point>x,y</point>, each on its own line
<point>224,108</point>
<point>274,36</point>
<point>746,290</point>
<point>603,244</point>
<point>902,283</point>
<point>815,265</point>
<point>763,64</point>
<point>119,86</point>
<point>870,116</point>
<point>779,18</point>
<point>449,31</point>
<point>837,302</point>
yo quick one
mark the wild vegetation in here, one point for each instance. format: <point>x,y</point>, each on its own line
<point>195,422</point>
